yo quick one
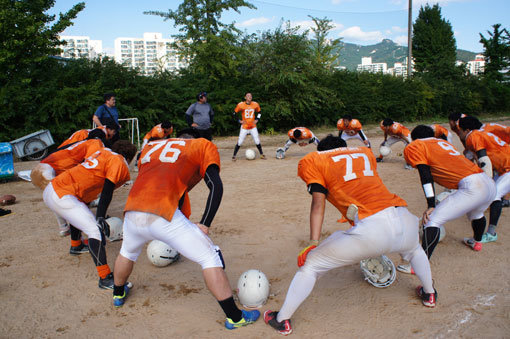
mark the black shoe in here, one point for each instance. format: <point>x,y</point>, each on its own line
<point>107,282</point>
<point>283,327</point>
<point>77,250</point>
<point>378,159</point>
<point>505,203</point>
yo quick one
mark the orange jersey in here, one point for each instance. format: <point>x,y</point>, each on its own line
<point>354,125</point>
<point>167,170</point>
<point>397,130</point>
<point>155,133</point>
<point>305,133</point>
<point>248,113</point>
<point>439,131</point>
<point>501,131</point>
<point>86,180</point>
<point>447,165</point>
<point>79,136</point>
<point>497,150</point>
<point>349,174</point>
<point>73,155</point>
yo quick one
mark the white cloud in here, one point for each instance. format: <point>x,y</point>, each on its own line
<point>397,29</point>
<point>355,33</point>
<point>255,22</point>
<point>401,40</point>
<point>307,24</point>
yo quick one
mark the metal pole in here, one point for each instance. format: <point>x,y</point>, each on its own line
<point>410,39</point>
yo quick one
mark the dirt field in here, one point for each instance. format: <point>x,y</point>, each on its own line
<point>263,224</point>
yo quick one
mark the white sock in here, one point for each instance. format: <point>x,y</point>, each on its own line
<point>299,289</point>
<point>420,264</point>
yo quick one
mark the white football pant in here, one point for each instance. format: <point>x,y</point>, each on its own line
<point>502,186</point>
<point>346,136</point>
<point>244,132</point>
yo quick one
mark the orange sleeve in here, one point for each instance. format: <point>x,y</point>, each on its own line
<point>474,142</point>
<point>117,170</point>
<point>209,156</point>
<point>381,126</point>
<point>291,133</point>
<point>309,172</point>
<point>238,108</point>
<point>415,155</point>
<point>257,107</point>
<point>340,124</point>
<point>356,125</point>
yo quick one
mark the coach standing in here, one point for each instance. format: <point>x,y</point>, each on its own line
<point>107,113</point>
<point>200,116</point>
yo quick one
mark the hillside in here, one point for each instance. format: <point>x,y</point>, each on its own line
<point>386,51</point>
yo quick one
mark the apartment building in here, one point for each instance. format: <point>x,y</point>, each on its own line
<point>80,47</point>
<point>367,66</point>
<point>477,66</point>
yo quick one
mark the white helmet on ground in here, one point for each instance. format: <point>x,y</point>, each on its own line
<point>379,272</point>
<point>280,153</point>
<point>115,228</point>
<point>250,154</point>
<point>160,254</point>
<point>253,288</point>
<point>384,151</point>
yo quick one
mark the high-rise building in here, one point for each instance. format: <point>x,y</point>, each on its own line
<point>80,47</point>
<point>476,66</point>
<point>148,54</point>
<point>367,66</point>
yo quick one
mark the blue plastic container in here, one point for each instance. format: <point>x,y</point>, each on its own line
<point>6,162</point>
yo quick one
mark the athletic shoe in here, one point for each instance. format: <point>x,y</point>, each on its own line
<point>282,327</point>
<point>487,237</point>
<point>505,203</point>
<point>107,282</point>
<point>378,159</point>
<point>64,230</point>
<point>263,157</point>
<point>234,158</point>
<point>408,167</point>
<point>475,245</point>
<point>405,268</point>
<point>77,250</point>
<point>118,301</point>
<point>428,299</point>
<point>249,317</point>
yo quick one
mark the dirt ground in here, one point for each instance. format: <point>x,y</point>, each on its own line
<point>262,223</point>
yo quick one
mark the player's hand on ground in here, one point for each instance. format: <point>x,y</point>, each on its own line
<point>302,255</point>
<point>195,125</point>
<point>302,144</point>
<point>426,215</point>
<point>203,228</point>
<point>383,143</point>
<point>367,143</point>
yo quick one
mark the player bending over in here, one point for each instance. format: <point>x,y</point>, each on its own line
<point>493,154</point>
<point>108,130</point>
<point>382,224</point>
<point>160,131</point>
<point>350,128</point>
<point>299,135</point>
<point>393,133</point>
<point>438,161</point>
<point>248,122</point>
<point>441,133</point>
<point>68,194</point>
<point>167,170</point>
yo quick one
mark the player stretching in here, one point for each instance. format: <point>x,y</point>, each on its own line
<point>160,131</point>
<point>437,160</point>
<point>350,128</point>
<point>382,224</point>
<point>248,122</point>
<point>299,135</point>
<point>68,194</point>
<point>393,133</point>
<point>169,169</point>
<point>441,133</point>
<point>493,154</point>
<point>109,131</point>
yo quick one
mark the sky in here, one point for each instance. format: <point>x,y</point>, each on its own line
<point>362,22</point>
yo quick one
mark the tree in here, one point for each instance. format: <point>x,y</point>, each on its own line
<point>28,36</point>
<point>497,53</point>
<point>434,46</point>
<point>326,51</point>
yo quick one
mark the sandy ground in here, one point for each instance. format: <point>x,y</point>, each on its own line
<point>262,223</point>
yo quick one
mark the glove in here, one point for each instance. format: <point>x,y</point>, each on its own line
<point>302,255</point>
<point>103,226</point>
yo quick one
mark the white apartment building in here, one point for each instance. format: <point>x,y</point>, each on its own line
<point>399,69</point>
<point>476,66</point>
<point>367,66</point>
<point>149,54</point>
<point>80,47</point>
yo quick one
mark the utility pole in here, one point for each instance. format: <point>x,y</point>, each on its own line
<point>410,39</point>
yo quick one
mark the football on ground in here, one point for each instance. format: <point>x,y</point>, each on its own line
<point>250,154</point>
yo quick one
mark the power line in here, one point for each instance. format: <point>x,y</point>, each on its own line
<point>329,11</point>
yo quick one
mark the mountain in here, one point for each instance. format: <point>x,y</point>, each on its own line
<point>386,51</point>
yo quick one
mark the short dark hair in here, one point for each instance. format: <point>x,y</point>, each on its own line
<point>297,133</point>
<point>347,117</point>
<point>108,96</point>
<point>331,142</point>
<point>387,122</point>
<point>166,124</point>
<point>125,148</point>
<point>454,116</point>
<point>422,132</point>
<point>97,134</point>
<point>188,133</point>
<point>201,95</point>
<point>469,123</point>
<point>112,125</point>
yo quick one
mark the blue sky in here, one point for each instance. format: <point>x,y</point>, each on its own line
<point>363,22</point>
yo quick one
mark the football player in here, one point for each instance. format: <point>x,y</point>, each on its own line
<point>108,132</point>
<point>299,135</point>
<point>160,131</point>
<point>167,170</point>
<point>68,194</point>
<point>347,178</point>
<point>438,161</point>
<point>248,121</point>
<point>393,133</point>
<point>349,128</point>
<point>441,133</point>
<point>492,154</point>
<point>501,131</point>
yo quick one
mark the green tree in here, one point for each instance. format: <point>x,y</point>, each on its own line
<point>434,46</point>
<point>326,50</point>
<point>29,36</point>
<point>496,52</point>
